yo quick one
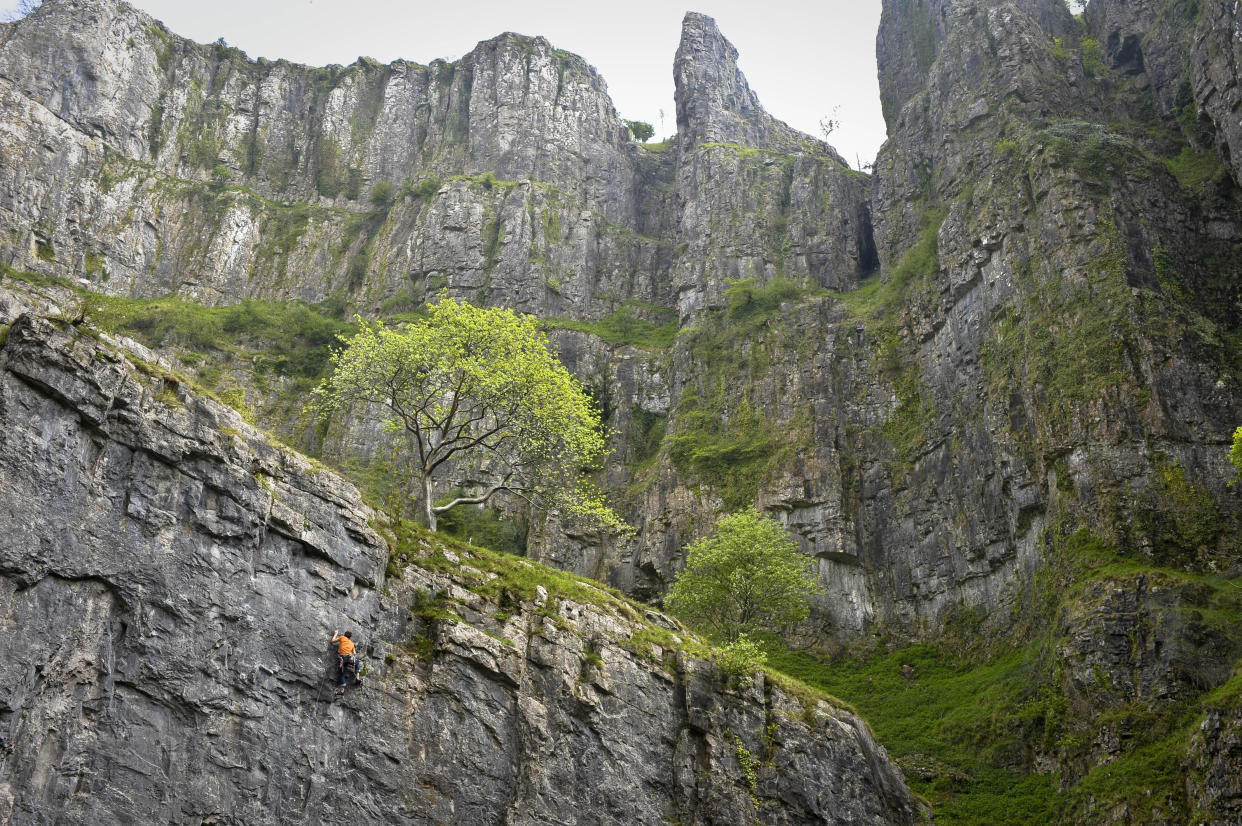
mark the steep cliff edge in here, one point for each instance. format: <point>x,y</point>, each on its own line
<point>169,166</point>
<point>1076,259</point>
<point>170,577</point>
<point>757,199</point>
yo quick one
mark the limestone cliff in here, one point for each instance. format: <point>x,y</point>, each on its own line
<point>1055,332</point>
<point>1072,328</point>
<point>1048,325</point>
<point>148,164</point>
<point>990,387</point>
<point>170,580</point>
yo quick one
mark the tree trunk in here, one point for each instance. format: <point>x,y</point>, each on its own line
<point>428,504</point>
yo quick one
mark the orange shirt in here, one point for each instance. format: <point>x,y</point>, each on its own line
<point>344,645</point>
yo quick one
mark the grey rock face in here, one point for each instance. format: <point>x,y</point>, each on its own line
<point>1147,642</point>
<point>714,101</point>
<point>1216,66</point>
<point>906,43</point>
<point>930,450</point>
<point>147,164</point>
<point>169,583</point>
<point>1216,755</point>
<point>1188,53</point>
<point>169,166</point>
<point>757,198</point>
<point>974,161</point>
<point>912,31</point>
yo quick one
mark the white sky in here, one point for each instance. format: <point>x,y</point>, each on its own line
<point>804,58</point>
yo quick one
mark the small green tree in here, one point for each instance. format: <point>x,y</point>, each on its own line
<point>641,130</point>
<point>382,195</point>
<point>830,123</point>
<point>477,391</point>
<point>749,577</point>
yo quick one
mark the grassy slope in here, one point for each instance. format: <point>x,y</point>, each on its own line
<point>971,725</point>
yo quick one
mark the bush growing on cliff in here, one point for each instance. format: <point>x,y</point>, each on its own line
<point>641,130</point>
<point>1235,453</point>
<point>741,657</point>
<point>749,577</point>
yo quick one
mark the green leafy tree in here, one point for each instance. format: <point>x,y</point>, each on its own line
<point>382,195</point>
<point>481,397</point>
<point>641,130</point>
<point>748,577</point>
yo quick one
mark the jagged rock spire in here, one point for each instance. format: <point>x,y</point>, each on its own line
<point>714,101</point>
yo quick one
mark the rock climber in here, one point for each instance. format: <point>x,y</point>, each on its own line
<point>346,661</point>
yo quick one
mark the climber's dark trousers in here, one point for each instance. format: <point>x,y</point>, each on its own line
<point>346,663</point>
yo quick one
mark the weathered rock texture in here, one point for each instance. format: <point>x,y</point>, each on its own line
<point>1037,226</point>
<point>1067,199</point>
<point>169,582</point>
<point>1044,346</point>
<point>1216,756</point>
<point>1016,339</point>
<point>149,164</point>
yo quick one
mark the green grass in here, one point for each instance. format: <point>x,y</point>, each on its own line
<point>508,579</point>
<point>1195,169</point>
<point>971,719</point>
<point>922,259</point>
<point>286,338</point>
<point>747,303</point>
<point>1092,57</point>
<point>35,279</point>
<point>976,719</point>
<point>658,146</point>
<point>625,328</point>
<point>742,151</point>
<point>413,544</point>
<point>254,354</point>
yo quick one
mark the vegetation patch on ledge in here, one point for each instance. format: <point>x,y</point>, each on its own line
<point>508,579</point>
<point>720,434</point>
<point>624,327</point>
<point>295,337</point>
